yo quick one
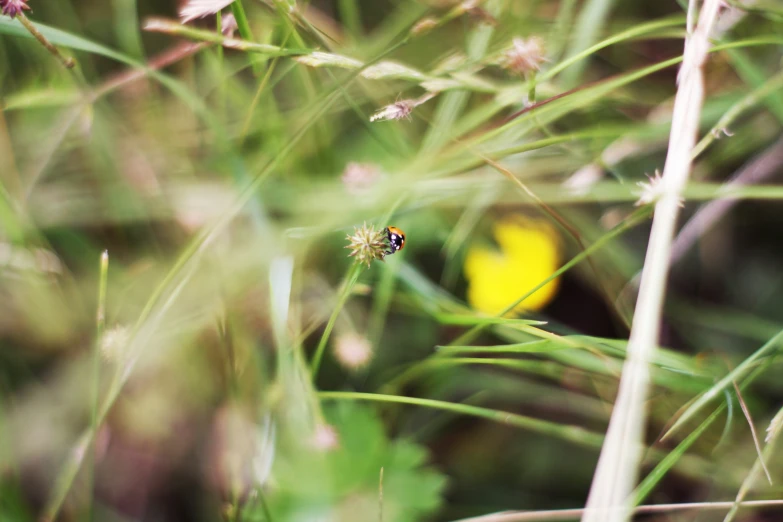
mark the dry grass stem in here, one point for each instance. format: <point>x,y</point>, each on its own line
<point>618,465</point>
<point>573,514</point>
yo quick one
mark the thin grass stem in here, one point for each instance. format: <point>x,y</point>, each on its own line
<point>345,291</point>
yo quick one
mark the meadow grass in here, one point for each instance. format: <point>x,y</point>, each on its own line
<point>232,362</point>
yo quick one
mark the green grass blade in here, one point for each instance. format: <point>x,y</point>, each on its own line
<point>589,24</point>
<point>573,434</point>
<point>735,375</point>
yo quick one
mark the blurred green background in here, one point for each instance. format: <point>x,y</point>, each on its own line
<point>174,378</point>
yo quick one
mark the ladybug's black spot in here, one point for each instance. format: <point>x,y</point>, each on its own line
<point>396,241</point>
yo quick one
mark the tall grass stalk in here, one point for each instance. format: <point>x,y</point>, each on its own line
<point>345,292</point>
<point>574,434</point>
<point>575,514</point>
<point>618,465</point>
<point>100,326</point>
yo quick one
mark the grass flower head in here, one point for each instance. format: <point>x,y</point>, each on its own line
<point>652,190</point>
<point>367,244</point>
<point>13,8</point>
<point>352,351</point>
<point>359,178</point>
<point>325,438</point>
<point>524,56</point>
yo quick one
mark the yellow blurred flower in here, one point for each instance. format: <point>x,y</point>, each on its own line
<point>529,253</point>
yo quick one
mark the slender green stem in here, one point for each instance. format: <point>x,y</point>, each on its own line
<point>345,292</point>
<point>380,497</point>
<point>244,29</point>
<point>257,97</point>
<point>351,16</point>
<point>100,326</point>
<point>221,91</point>
<point>774,84</point>
<point>160,25</point>
<point>573,434</point>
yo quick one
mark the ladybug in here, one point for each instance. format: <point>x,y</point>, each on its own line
<point>396,239</point>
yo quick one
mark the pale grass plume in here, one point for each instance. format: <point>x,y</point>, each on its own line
<point>388,70</point>
<point>424,25</point>
<point>525,55</point>
<point>114,342</point>
<point>321,59</point>
<point>401,108</point>
<point>610,498</point>
<point>194,9</point>
<point>385,70</point>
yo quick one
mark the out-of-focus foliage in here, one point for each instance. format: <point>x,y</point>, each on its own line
<point>344,481</point>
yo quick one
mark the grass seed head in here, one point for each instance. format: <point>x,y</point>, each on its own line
<point>359,178</point>
<point>396,111</point>
<point>524,56</point>
<point>352,351</point>
<point>652,190</point>
<point>367,244</point>
<point>325,438</point>
<point>114,343</point>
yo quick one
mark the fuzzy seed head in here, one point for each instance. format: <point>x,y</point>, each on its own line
<point>325,438</point>
<point>359,178</point>
<point>524,56</point>
<point>367,244</point>
<point>352,351</point>
<point>653,190</point>
<point>200,8</point>
<point>114,342</point>
<point>424,25</point>
<point>13,8</point>
<point>396,111</point>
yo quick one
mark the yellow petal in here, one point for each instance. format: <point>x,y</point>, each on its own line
<point>529,254</point>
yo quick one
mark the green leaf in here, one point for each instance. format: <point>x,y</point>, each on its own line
<point>344,481</point>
